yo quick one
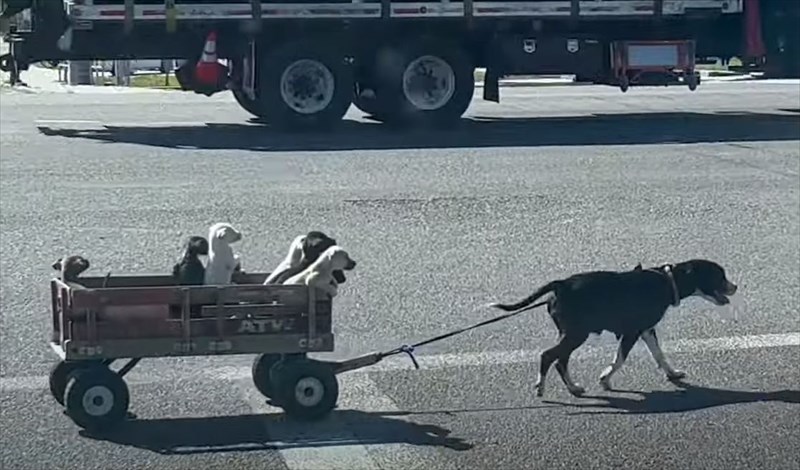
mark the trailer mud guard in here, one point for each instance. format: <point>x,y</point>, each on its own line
<point>491,85</point>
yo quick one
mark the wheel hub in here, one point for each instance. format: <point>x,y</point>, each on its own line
<point>429,82</point>
<point>307,86</point>
<point>309,391</point>
<point>98,400</point>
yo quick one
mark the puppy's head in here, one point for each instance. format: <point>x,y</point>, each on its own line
<point>314,244</point>
<point>71,267</point>
<point>338,259</point>
<point>196,245</point>
<point>224,232</point>
<point>708,279</point>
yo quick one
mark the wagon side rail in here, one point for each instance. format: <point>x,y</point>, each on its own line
<point>117,322</point>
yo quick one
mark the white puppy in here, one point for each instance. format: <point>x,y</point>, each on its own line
<point>221,260</point>
<point>320,273</point>
<point>290,264</point>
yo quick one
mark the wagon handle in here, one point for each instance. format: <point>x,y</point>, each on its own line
<point>409,349</point>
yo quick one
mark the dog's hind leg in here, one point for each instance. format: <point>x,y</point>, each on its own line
<point>563,349</point>
<point>625,346</point>
<point>562,363</point>
<point>651,341</point>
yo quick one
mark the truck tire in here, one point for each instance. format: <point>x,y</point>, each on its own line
<point>250,105</point>
<point>425,82</point>
<point>304,85</point>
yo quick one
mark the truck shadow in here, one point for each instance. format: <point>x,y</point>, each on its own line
<point>474,132</point>
<point>687,398</point>
<point>251,432</point>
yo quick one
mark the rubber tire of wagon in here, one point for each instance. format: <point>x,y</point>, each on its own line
<point>393,102</point>
<point>306,375</point>
<point>59,375</point>
<point>102,383</point>
<point>261,372</point>
<point>273,64</point>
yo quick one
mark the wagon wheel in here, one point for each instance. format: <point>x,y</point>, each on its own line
<point>306,389</point>
<point>59,374</point>
<point>262,365</point>
<point>96,397</point>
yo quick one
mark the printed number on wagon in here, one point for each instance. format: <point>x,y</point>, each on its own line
<point>313,343</point>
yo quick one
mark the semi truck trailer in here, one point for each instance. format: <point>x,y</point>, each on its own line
<point>302,64</point>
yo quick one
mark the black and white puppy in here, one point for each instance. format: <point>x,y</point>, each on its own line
<point>190,271</point>
<point>629,304</point>
<point>304,250</point>
<point>70,268</point>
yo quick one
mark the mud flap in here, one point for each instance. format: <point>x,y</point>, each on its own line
<point>491,85</point>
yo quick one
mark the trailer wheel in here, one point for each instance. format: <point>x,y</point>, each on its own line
<point>262,379</point>
<point>692,80</point>
<point>248,104</point>
<point>304,85</point>
<point>96,397</point>
<point>59,375</point>
<point>308,389</point>
<point>426,82</point>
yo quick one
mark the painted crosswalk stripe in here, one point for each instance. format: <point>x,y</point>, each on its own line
<point>350,438</point>
<point>241,371</point>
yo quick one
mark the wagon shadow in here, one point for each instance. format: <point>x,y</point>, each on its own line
<point>472,132</point>
<point>687,398</point>
<point>251,432</point>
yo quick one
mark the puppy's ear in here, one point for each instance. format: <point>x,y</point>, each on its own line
<point>57,264</point>
<point>638,267</point>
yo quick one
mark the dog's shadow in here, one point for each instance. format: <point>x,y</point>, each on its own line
<point>252,432</point>
<point>687,397</point>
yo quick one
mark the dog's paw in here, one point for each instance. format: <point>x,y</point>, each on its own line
<point>577,390</point>
<point>676,375</point>
<point>605,382</point>
<point>539,387</point>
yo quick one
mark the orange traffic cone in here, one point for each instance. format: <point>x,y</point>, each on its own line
<point>208,70</point>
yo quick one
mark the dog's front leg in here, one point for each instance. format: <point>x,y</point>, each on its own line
<point>651,341</point>
<point>625,346</point>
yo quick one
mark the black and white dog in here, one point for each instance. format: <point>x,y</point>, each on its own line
<point>629,304</point>
<point>303,251</point>
<point>69,268</point>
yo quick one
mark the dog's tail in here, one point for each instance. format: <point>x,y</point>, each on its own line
<point>527,300</point>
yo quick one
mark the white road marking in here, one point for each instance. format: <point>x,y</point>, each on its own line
<point>357,435</point>
<point>142,124</point>
<point>66,121</point>
<point>448,360</point>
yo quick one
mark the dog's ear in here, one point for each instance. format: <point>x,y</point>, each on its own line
<point>57,264</point>
<point>638,267</point>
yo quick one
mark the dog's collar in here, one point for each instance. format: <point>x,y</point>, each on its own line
<point>667,272</point>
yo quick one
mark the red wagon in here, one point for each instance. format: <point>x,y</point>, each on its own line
<point>134,317</point>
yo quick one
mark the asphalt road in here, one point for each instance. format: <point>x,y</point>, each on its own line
<point>551,181</point>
